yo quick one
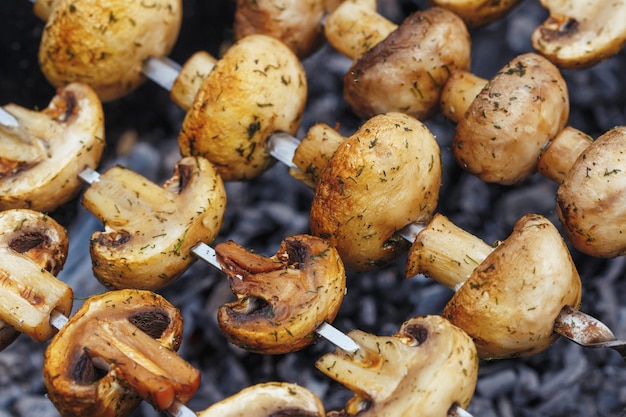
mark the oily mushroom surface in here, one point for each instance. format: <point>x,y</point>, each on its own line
<point>297,23</point>
<point>579,34</point>
<point>281,300</point>
<point>258,87</point>
<point>501,135</point>
<point>33,248</point>
<point>477,13</point>
<point>116,350</point>
<point>591,199</point>
<point>269,399</point>
<point>406,71</point>
<point>426,368</point>
<point>104,43</point>
<point>383,177</point>
<point>40,158</point>
<point>150,229</point>
<point>510,302</point>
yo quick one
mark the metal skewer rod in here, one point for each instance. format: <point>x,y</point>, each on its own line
<point>177,409</point>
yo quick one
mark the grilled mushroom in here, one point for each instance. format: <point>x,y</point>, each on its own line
<point>477,13</point>
<point>580,34</point>
<point>384,177</point>
<point>41,157</point>
<point>297,23</point>
<point>500,136</point>
<point>426,368</point>
<point>149,230</point>
<point>117,349</point>
<point>281,300</point>
<point>397,69</point>
<point>270,399</point>
<point>33,248</point>
<point>513,295</point>
<point>105,43</point>
<point>257,88</point>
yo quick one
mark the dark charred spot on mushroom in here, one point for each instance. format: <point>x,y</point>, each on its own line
<point>418,332</point>
<point>296,252</point>
<point>27,241</point>
<point>112,239</point>
<point>251,307</point>
<point>559,27</point>
<point>184,175</point>
<point>292,413</point>
<point>153,322</point>
<point>84,372</point>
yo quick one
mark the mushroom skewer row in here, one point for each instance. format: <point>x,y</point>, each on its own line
<point>514,299</point>
<point>514,125</point>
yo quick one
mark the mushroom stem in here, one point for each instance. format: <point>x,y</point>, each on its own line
<point>325,330</point>
<point>177,409</point>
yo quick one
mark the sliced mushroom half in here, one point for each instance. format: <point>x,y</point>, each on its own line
<point>33,248</point>
<point>149,230</point>
<point>118,349</point>
<point>271,399</point>
<point>40,158</point>
<point>428,367</point>
<point>283,299</point>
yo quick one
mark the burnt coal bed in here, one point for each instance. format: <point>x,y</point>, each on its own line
<point>564,380</point>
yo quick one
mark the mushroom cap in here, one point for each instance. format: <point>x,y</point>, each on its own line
<point>297,23</point>
<point>33,248</point>
<point>259,87</point>
<point>427,367</point>
<point>268,400</point>
<point>283,299</point>
<point>104,43</point>
<point>503,132</point>
<point>383,177</point>
<point>591,201</point>
<point>145,328</point>
<point>41,158</point>
<point>579,34</point>
<point>477,13</point>
<point>149,230</point>
<point>511,301</point>
<point>407,70</point>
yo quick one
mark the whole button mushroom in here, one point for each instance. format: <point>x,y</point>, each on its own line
<point>579,34</point>
<point>297,23</point>
<point>428,368</point>
<point>258,88</point>
<point>397,68</point>
<point>149,229</point>
<point>384,177</point>
<point>508,298</point>
<point>33,248</point>
<point>504,124</point>
<point>283,299</point>
<point>104,43</point>
<point>270,399</point>
<point>116,350</point>
<point>591,196</point>
<point>477,13</point>
<point>41,157</point>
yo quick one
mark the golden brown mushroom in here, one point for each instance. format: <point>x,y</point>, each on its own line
<point>258,87</point>
<point>270,399</point>
<point>508,298</point>
<point>397,69</point>
<point>427,368</point>
<point>504,124</point>
<point>33,248</point>
<point>384,177</point>
<point>283,299</point>
<point>591,198</point>
<point>477,13</point>
<point>105,43</point>
<point>297,23</point>
<point>579,34</point>
<point>41,157</point>
<point>118,349</point>
<point>149,230</point>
